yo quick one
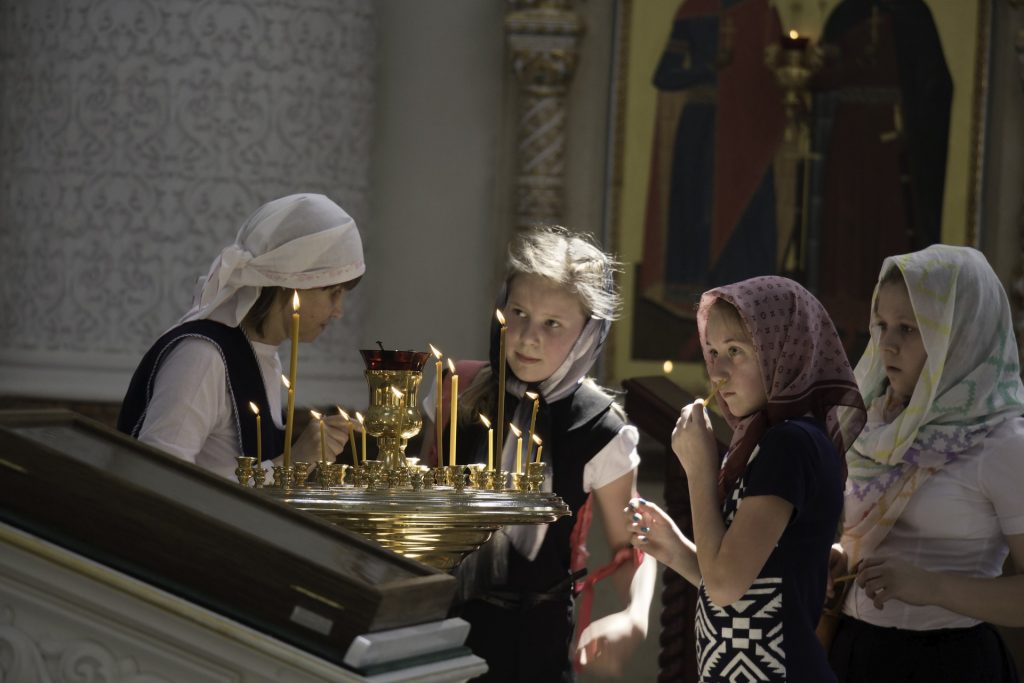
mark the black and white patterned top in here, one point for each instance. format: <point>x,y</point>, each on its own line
<point>768,634</point>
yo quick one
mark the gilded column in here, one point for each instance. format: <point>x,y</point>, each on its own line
<point>542,39</point>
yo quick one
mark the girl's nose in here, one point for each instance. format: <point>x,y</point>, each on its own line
<point>719,372</point>
<point>887,341</point>
<point>530,332</point>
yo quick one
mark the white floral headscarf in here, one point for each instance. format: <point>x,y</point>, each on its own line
<point>970,383</point>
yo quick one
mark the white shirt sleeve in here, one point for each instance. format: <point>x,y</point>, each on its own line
<point>617,458</point>
<point>1001,475</point>
<point>189,400</point>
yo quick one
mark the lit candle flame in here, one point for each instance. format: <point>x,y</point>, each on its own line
<point>295,301</point>
<point>515,430</point>
<point>532,396</point>
<point>436,351</point>
<point>359,416</point>
<point>500,317</point>
<point>316,415</point>
<point>254,408</point>
<point>793,34</point>
<point>287,384</point>
<point>341,411</point>
<point>451,365</point>
<point>536,439</point>
<point>487,423</point>
<point>667,366</point>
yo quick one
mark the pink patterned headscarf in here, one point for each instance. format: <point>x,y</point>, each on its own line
<point>803,365</point>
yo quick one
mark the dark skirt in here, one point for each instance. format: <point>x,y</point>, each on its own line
<point>521,643</point>
<point>863,653</point>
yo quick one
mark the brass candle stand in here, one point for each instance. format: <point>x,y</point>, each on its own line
<point>436,515</point>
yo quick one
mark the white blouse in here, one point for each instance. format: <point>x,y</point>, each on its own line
<point>956,523</point>
<point>190,414</point>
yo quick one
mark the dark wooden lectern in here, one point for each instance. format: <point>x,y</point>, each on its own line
<point>145,513</point>
<point>653,405</point>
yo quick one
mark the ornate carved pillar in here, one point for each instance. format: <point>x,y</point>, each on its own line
<point>542,38</point>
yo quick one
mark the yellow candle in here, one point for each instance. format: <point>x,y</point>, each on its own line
<point>259,434</point>
<point>362,429</point>
<point>438,427</point>
<point>351,440</point>
<point>540,447</point>
<point>490,442</point>
<point>288,423</point>
<point>453,420</point>
<point>519,447</point>
<point>533,422</point>
<point>292,369</point>
<point>501,381</point>
<point>323,437</point>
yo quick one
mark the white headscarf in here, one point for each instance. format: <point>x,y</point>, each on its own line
<point>301,241</point>
<point>970,384</point>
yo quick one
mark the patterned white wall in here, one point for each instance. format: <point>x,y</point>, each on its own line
<point>135,136</point>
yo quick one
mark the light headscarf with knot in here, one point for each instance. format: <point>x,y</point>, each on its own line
<point>301,241</point>
<point>970,383</point>
<point>804,368</point>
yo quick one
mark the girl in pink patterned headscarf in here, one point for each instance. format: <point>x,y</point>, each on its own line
<point>764,521</point>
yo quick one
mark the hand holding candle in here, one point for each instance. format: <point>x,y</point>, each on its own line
<point>453,420</point>
<point>490,442</point>
<point>519,447</point>
<point>438,399</point>
<point>259,434</point>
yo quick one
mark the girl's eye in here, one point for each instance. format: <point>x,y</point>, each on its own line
<point>907,329</point>
<point>553,323</point>
<point>734,350</point>
<point>713,354</point>
<point>882,327</point>
<point>518,312</point>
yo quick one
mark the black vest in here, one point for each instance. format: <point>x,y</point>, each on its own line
<point>574,430</point>
<point>244,383</point>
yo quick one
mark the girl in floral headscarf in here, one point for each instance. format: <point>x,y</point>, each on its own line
<point>764,521</point>
<point>192,391</point>
<point>935,499</point>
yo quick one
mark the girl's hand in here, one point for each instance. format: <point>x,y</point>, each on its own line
<point>307,447</point>
<point>838,565</point>
<point>607,644</point>
<point>693,441</point>
<point>890,578</point>
<point>654,532</point>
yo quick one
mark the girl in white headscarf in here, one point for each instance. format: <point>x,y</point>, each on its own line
<point>190,395</point>
<point>934,497</point>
